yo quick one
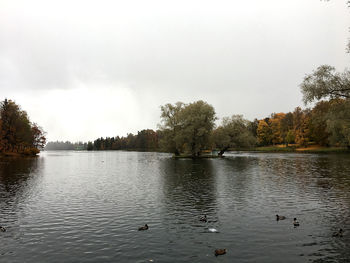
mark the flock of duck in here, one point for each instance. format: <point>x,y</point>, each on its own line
<point>338,233</point>
<point>222,251</point>
<point>295,221</point>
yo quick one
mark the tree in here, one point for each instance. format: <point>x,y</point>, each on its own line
<point>338,123</point>
<point>301,121</point>
<point>171,126</point>
<point>90,146</point>
<point>253,126</point>
<point>197,122</point>
<point>319,132</point>
<point>17,133</point>
<point>233,132</point>
<point>286,128</point>
<point>39,139</point>
<point>264,133</point>
<point>187,127</point>
<point>290,137</point>
<point>275,125</point>
<point>325,83</point>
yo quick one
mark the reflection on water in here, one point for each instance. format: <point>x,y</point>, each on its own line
<point>16,181</point>
<point>189,182</point>
<point>87,207</point>
<point>15,171</point>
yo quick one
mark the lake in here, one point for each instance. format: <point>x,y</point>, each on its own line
<point>67,206</point>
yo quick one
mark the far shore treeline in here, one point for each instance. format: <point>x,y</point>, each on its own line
<point>189,129</point>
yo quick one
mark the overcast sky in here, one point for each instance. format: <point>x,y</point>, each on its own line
<point>85,69</point>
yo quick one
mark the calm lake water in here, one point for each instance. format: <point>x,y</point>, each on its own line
<point>87,207</point>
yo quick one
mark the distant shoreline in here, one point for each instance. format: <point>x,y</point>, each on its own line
<point>262,149</point>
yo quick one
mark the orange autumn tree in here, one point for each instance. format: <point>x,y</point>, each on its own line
<point>17,133</point>
<point>264,133</point>
<point>301,120</point>
<point>275,121</point>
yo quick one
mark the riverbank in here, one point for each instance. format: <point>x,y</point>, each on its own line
<point>309,149</point>
<point>18,155</point>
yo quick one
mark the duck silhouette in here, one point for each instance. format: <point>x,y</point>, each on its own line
<point>280,217</point>
<point>295,222</point>
<point>145,227</point>
<point>2,229</point>
<point>339,233</point>
<point>203,218</point>
<point>220,251</point>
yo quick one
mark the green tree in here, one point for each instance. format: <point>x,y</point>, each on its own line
<point>187,127</point>
<point>319,132</point>
<point>338,123</point>
<point>290,137</point>
<point>325,82</point>
<point>234,132</point>
<point>286,126</point>
<point>197,121</point>
<point>171,126</point>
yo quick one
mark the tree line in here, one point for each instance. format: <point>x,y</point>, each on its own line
<point>67,145</point>
<point>145,140</point>
<point>191,128</point>
<point>18,135</point>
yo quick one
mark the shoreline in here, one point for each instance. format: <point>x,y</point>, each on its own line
<point>16,155</point>
<point>311,149</point>
<point>262,149</point>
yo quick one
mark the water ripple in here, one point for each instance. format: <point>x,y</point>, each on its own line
<point>87,207</point>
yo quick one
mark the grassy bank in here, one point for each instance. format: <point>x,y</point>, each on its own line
<point>310,149</point>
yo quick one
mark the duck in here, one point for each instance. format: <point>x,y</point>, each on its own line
<point>203,218</point>
<point>295,222</point>
<point>145,227</point>
<point>220,251</point>
<point>2,229</point>
<point>339,233</point>
<point>280,217</point>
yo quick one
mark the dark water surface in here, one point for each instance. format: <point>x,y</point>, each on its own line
<point>87,207</point>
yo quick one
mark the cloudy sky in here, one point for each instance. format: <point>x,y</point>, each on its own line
<point>85,69</point>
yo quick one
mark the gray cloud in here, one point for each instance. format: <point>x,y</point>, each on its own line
<point>243,58</point>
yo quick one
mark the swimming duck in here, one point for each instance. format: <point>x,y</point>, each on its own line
<point>338,233</point>
<point>2,229</point>
<point>145,227</point>
<point>280,217</point>
<point>295,222</point>
<point>203,218</point>
<point>220,251</point>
